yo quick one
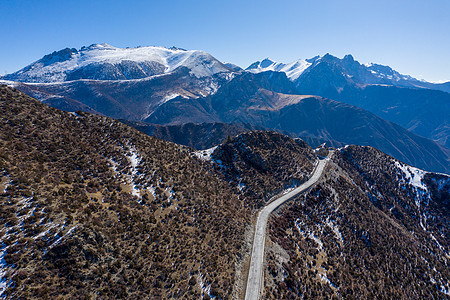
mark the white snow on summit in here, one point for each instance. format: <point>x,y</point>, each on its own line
<point>293,70</point>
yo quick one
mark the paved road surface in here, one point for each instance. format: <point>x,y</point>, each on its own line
<point>255,276</point>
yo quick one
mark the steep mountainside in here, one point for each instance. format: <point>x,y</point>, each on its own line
<point>124,99</point>
<point>91,207</point>
<point>105,62</point>
<point>174,86</point>
<point>245,99</point>
<point>232,95</point>
<point>201,136</point>
<point>262,164</point>
<point>423,112</point>
<point>372,228</point>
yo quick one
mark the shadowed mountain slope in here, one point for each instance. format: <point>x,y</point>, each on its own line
<point>199,136</point>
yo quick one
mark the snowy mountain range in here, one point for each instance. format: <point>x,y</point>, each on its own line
<point>349,68</point>
<point>105,62</point>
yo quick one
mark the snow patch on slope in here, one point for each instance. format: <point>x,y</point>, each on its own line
<point>11,84</point>
<point>385,72</point>
<point>5,181</point>
<point>25,209</point>
<point>307,233</point>
<point>205,287</point>
<point>413,176</point>
<point>335,228</point>
<point>205,155</point>
<point>3,270</point>
<point>60,239</point>
<point>171,96</point>
<point>134,162</point>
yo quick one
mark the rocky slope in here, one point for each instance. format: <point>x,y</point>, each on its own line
<point>373,227</point>
<point>91,207</point>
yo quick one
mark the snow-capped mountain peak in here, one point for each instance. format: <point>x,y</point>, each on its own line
<point>293,70</point>
<point>100,46</point>
<point>103,61</point>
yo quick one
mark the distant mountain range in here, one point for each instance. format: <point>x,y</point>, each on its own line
<point>419,106</point>
<point>171,86</point>
<point>348,69</point>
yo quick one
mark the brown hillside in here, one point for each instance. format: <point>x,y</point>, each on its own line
<point>91,207</point>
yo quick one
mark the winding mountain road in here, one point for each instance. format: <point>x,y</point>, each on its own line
<point>255,275</point>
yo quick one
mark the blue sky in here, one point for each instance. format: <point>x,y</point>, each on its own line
<point>411,36</point>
